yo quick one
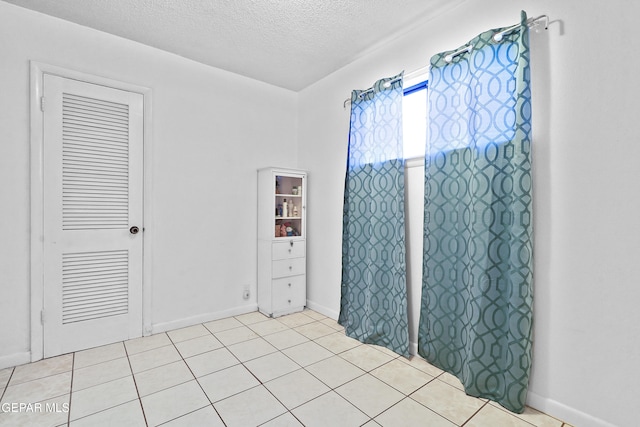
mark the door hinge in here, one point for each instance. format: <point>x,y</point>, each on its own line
<point>42,103</point>
<point>42,317</point>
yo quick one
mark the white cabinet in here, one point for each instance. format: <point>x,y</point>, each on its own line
<point>282,284</point>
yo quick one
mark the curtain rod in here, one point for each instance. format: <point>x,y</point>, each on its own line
<point>497,37</point>
<point>413,73</point>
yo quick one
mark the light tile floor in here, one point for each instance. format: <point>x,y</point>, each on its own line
<point>247,370</point>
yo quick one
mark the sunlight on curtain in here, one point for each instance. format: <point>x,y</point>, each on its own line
<point>373,306</point>
<point>476,311</point>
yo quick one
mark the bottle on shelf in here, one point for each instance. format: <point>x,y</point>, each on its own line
<point>285,212</point>
<point>295,211</point>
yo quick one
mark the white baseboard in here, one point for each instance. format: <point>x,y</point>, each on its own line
<point>202,318</point>
<point>15,359</point>
<point>323,310</point>
<point>564,412</point>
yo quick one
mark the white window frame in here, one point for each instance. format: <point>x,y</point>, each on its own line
<point>415,86</point>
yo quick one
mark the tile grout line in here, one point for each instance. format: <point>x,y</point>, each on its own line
<point>360,376</point>
<point>24,383</point>
<point>103,361</point>
<point>513,414</point>
<point>4,390</point>
<point>196,378</point>
<point>474,414</point>
<point>106,382</point>
<point>37,378</point>
<point>434,411</point>
<point>289,328</point>
<point>404,394</point>
<point>260,383</point>
<point>135,383</point>
<point>273,379</point>
<point>409,397</point>
<point>73,364</point>
<point>391,385</point>
<point>331,389</point>
<point>155,367</point>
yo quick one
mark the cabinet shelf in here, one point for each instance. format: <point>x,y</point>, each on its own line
<point>281,241</point>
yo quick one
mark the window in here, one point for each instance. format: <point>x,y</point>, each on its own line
<point>414,118</point>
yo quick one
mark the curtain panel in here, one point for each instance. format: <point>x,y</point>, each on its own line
<point>373,306</point>
<point>476,309</point>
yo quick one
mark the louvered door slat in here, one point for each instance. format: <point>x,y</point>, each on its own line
<point>89,208</point>
<point>94,285</point>
<point>93,103</point>
<point>95,201</point>
<point>95,281</point>
<point>73,121</point>
<point>97,170</point>
<point>89,200</point>
<point>93,177</point>
<point>94,159</point>
<point>90,152</point>
<point>99,120</point>
<point>87,131</point>
<point>80,114</point>
<point>98,141</point>
<point>82,146</point>
<point>73,294</point>
<point>71,265</point>
<point>93,271</point>
<point>95,299</point>
<point>97,312</point>
<point>85,121</point>
<point>110,185</point>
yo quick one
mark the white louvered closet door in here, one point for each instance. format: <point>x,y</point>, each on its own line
<point>93,170</point>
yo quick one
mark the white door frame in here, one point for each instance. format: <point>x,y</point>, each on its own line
<point>38,70</point>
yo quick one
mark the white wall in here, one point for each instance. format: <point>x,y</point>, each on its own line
<point>211,131</point>
<point>586,175</point>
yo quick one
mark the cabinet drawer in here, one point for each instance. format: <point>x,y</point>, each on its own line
<point>288,267</point>
<point>289,292</point>
<point>290,249</point>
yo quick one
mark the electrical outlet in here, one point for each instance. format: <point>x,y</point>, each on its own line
<point>246,293</point>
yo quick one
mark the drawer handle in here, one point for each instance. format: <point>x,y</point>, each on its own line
<point>290,267</point>
<point>289,284</point>
<point>289,301</point>
<point>291,243</point>
<point>289,250</point>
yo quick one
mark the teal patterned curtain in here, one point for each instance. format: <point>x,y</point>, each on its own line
<point>373,307</point>
<point>476,311</point>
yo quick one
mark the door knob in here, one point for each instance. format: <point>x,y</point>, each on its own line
<point>134,230</point>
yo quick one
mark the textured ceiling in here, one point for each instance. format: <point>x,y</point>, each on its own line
<point>288,43</point>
